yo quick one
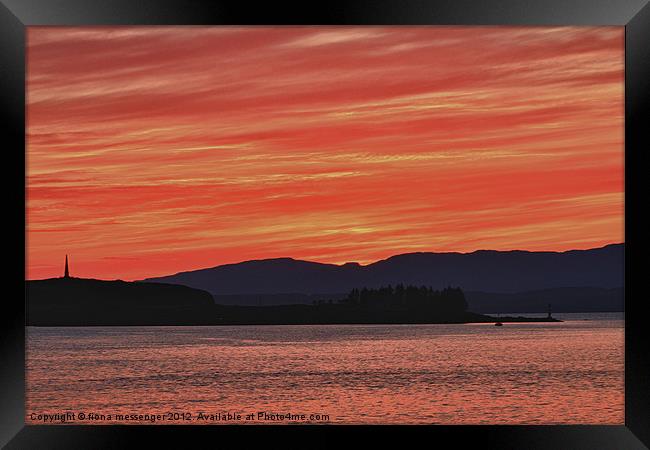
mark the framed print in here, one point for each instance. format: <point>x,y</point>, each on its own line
<point>392,220</point>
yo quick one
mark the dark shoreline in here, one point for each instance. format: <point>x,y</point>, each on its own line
<point>63,302</point>
<point>211,323</point>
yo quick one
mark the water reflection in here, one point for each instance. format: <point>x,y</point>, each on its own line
<point>453,374</point>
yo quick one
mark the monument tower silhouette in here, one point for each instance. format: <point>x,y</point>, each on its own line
<point>66,274</point>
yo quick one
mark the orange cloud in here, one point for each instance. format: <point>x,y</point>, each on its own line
<point>152,150</point>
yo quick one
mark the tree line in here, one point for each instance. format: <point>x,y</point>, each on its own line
<point>447,300</point>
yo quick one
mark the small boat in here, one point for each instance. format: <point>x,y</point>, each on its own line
<point>498,324</point>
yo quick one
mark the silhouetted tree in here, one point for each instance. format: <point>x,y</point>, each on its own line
<point>425,298</point>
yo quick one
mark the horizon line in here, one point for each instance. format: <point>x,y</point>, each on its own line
<point>342,264</point>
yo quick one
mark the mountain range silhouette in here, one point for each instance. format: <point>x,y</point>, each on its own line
<point>289,291</point>
<point>288,280</point>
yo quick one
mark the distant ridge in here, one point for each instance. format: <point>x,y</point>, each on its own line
<point>488,271</point>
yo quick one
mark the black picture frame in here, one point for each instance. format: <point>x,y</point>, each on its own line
<point>16,15</point>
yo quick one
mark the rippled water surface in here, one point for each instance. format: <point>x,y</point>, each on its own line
<point>569,372</point>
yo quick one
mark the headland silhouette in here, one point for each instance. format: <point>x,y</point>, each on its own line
<point>409,288</point>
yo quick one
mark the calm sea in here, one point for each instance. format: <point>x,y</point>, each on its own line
<point>554,373</point>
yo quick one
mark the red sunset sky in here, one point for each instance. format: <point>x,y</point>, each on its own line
<point>153,150</point>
